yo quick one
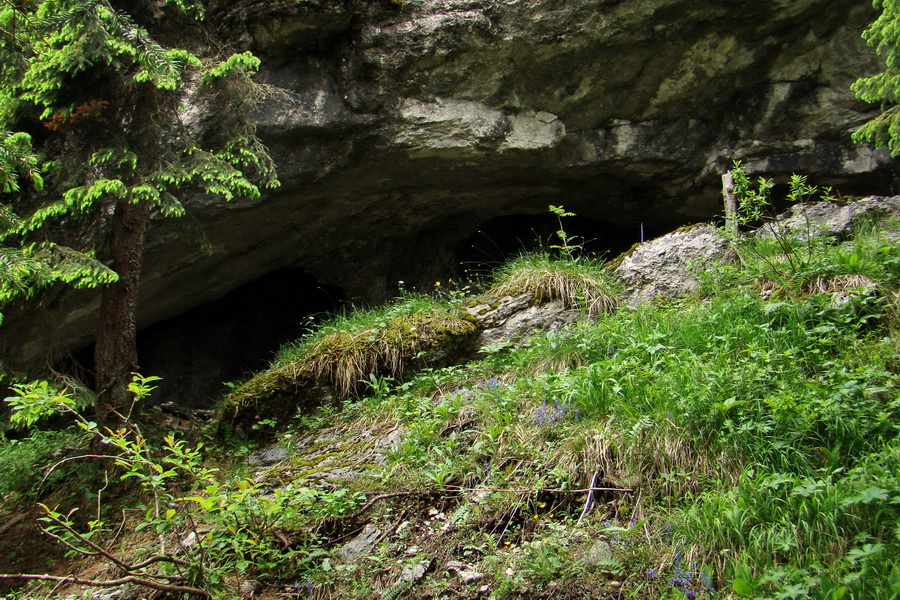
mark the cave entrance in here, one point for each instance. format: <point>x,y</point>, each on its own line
<point>504,237</point>
<point>227,339</point>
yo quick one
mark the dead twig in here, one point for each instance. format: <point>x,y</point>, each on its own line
<point>100,551</point>
<point>165,587</point>
<point>372,502</point>
<point>541,490</point>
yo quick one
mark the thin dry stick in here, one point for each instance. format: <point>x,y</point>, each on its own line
<point>508,523</point>
<point>372,502</point>
<point>100,551</point>
<point>547,490</point>
<point>110,583</point>
<point>731,208</point>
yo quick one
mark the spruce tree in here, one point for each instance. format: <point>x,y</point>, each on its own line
<point>104,85</point>
<point>883,87</point>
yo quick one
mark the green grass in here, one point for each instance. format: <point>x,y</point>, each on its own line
<point>26,461</point>
<point>758,432</point>
<point>746,439</point>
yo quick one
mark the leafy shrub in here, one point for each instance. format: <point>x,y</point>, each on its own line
<point>26,460</point>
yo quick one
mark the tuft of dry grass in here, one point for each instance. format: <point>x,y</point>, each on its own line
<point>578,283</point>
<point>346,352</point>
<point>840,283</point>
<point>343,358</point>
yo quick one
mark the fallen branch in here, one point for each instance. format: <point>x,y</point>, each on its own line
<point>372,502</point>
<point>541,490</point>
<point>100,551</point>
<point>165,587</point>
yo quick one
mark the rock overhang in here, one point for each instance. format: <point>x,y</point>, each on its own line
<point>400,130</point>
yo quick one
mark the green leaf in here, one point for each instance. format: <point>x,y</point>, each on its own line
<point>742,587</point>
<point>867,496</point>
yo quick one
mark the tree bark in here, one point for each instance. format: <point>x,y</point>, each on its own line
<point>115,354</point>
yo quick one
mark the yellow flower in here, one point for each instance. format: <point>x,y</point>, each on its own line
<point>437,283</point>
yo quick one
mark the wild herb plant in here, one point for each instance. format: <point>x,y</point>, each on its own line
<point>793,250</point>
<point>205,530</point>
<point>568,245</point>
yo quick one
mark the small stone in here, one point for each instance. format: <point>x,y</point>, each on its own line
<point>403,527</point>
<point>545,117</point>
<point>361,544</point>
<point>108,594</point>
<point>484,590</point>
<point>615,584</point>
<point>250,587</point>
<point>470,577</point>
<point>433,512</point>
<point>597,553</point>
<point>413,573</point>
<point>268,456</point>
<point>454,565</point>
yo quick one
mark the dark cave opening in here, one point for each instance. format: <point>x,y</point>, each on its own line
<point>504,237</point>
<point>226,340</point>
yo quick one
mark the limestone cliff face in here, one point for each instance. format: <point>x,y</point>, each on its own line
<point>401,129</point>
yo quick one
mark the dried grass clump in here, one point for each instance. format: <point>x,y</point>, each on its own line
<point>576,284</point>
<point>344,358</point>
<point>840,283</point>
<point>343,355</point>
<point>588,452</point>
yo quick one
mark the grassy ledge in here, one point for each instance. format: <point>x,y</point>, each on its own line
<point>577,282</point>
<point>346,350</point>
<point>740,443</point>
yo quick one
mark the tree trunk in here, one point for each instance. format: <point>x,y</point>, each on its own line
<point>116,350</point>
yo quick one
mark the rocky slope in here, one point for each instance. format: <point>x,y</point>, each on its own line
<point>401,130</point>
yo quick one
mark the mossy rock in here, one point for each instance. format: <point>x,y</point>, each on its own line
<point>337,363</point>
<point>615,263</point>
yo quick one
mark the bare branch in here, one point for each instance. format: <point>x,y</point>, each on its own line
<point>109,583</point>
<point>372,502</point>
<point>540,490</point>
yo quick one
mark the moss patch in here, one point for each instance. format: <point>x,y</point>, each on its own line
<point>617,261</point>
<point>342,357</point>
